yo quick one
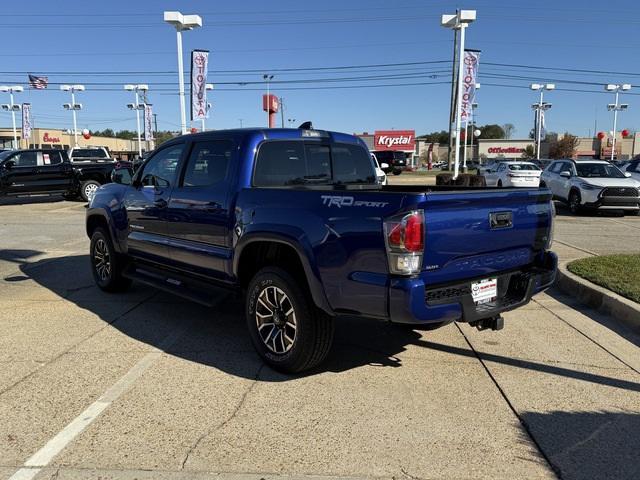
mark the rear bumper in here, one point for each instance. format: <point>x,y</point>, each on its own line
<point>412,302</point>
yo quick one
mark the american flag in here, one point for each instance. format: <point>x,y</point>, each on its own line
<point>39,83</point>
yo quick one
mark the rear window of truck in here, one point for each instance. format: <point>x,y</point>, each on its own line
<point>289,163</point>
<point>89,153</point>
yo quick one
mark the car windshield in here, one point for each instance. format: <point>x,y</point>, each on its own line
<point>598,170</point>
<point>5,154</point>
<point>89,153</point>
<point>523,166</point>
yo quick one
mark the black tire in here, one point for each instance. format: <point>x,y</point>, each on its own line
<point>300,348</point>
<point>88,188</point>
<point>543,185</point>
<point>499,183</point>
<point>106,265</point>
<point>574,202</point>
<point>397,172</point>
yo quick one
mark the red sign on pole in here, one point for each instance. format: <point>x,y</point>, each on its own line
<point>402,140</point>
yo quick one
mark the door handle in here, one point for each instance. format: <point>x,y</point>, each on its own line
<point>160,203</point>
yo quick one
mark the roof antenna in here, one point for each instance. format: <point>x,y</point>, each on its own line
<point>306,126</point>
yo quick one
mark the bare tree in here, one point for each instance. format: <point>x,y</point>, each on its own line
<point>508,128</point>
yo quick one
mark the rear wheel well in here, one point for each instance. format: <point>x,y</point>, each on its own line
<point>94,222</point>
<point>261,254</point>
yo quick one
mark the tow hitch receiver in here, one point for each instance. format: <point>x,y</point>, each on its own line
<point>493,323</point>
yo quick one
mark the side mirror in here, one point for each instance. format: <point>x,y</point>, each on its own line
<point>627,174</point>
<point>121,176</point>
<point>9,164</point>
<point>565,174</point>
<point>384,165</point>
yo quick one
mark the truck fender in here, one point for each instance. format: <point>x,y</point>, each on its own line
<point>313,278</point>
<point>94,214</point>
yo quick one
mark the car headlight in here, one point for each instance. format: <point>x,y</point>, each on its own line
<point>588,186</point>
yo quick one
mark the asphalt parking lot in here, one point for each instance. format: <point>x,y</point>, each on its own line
<point>145,385</point>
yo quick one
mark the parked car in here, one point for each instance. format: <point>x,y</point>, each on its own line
<point>633,168</point>
<point>36,171</point>
<point>592,184</point>
<point>295,220</point>
<point>514,174</point>
<point>491,164</point>
<point>380,175</point>
<point>89,155</point>
<point>396,161</point>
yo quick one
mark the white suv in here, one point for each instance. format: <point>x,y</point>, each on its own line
<point>594,184</point>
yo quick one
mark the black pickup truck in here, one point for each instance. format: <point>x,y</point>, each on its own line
<point>37,171</point>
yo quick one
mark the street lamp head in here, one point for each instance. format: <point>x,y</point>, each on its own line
<point>6,106</point>
<point>467,16</point>
<point>626,86</point>
<point>65,88</point>
<point>477,86</point>
<point>66,106</point>
<point>535,86</point>
<point>550,86</point>
<point>16,107</point>
<point>78,88</point>
<point>4,88</point>
<point>182,22</point>
<point>142,87</point>
<point>209,86</point>
<point>624,106</point>
<point>131,106</point>
<point>17,88</point>
<point>457,19</point>
<point>610,87</point>
<point>449,20</point>
<point>611,106</point>
<point>474,105</point>
<point>129,87</point>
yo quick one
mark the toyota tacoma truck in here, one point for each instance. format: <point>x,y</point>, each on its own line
<point>295,220</point>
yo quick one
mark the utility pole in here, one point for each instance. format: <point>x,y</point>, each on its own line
<point>155,124</point>
<point>281,112</point>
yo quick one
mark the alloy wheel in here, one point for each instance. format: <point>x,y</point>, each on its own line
<point>90,190</point>
<point>102,260</point>
<point>276,320</point>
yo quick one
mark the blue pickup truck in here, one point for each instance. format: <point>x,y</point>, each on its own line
<point>294,219</point>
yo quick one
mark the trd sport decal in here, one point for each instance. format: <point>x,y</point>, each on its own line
<point>347,201</point>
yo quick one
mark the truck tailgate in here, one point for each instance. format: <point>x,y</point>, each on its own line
<point>481,232</point>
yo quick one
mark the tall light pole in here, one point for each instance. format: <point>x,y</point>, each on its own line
<point>459,22</point>
<point>616,107</point>
<point>291,121</point>
<point>208,86</point>
<point>137,107</point>
<point>73,106</point>
<point>181,23</point>
<point>240,120</point>
<point>540,107</point>
<point>13,108</point>
<point>267,78</point>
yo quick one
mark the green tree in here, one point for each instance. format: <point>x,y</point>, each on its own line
<point>492,131</point>
<point>508,128</point>
<point>529,152</point>
<point>441,137</point>
<point>162,137</point>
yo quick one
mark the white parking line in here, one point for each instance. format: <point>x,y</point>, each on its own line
<point>53,447</point>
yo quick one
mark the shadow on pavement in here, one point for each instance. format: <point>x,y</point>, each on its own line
<point>218,336</point>
<point>29,200</point>
<point>589,445</point>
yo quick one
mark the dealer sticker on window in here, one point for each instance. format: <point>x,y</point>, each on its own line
<point>484,291</point>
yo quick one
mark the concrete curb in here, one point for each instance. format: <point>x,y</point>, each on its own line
<point>599,298</point>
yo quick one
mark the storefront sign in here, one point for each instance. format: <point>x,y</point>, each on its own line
<point>199,65</point>
<point>403,140</point>
<point>503,150</point>
<point>47,139</point>
<point>26,121</point>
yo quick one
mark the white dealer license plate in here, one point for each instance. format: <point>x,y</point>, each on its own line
<point>484,291</point>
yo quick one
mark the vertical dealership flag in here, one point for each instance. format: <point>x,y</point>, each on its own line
<point>148,122</point>
<point>469,80</point>
<point>26,121</point>
<point>199,65</point>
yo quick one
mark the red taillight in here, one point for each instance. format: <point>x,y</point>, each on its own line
<point>395,237</point>
<point>414,232</point>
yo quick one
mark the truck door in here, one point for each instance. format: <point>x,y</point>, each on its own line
<point>146,203</point>
<point>54,173</point>
<point>20,173</point>
<point>198,214</point>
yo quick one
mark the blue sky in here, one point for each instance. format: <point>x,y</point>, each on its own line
<point>70,40</point>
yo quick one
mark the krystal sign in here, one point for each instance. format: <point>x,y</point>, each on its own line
<point>401,140</point>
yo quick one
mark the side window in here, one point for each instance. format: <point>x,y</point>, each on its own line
<point>555,167</point>
<point>567,167</point>
<point>51,158</point>
<point>208,163</point>
<point>162,168</point>
<point>635,168</point>
<point>280,163</point>
<point>26,159</point>
<point>501,167</point>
